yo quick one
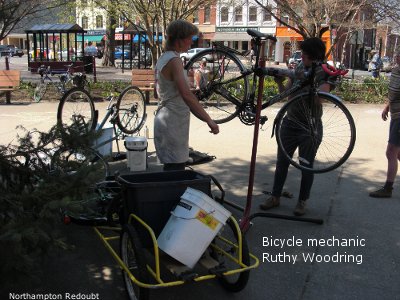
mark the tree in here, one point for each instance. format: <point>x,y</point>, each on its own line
<point>155,15</point>
<point>12,12</point>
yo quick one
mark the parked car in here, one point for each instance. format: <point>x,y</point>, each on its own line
<point>4,51</point>
<point>15,51</point>
<point>118,53</point>
<point>191,52</point>
<point>294,59</point>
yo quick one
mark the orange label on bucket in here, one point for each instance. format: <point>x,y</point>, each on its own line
<point>207,219</point>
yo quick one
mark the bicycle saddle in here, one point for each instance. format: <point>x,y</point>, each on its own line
<point>257,34</point>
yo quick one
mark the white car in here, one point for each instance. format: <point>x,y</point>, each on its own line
<point>191,52</point>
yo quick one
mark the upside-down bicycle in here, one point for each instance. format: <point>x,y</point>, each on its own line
<point>229,92</point>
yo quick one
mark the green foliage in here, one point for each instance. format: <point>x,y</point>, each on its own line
<point>368,90</point>
<point>31,198</point>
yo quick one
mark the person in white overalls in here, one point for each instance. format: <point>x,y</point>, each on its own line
<point>171,124</point>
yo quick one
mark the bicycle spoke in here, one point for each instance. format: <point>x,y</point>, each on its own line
<point>131,110</point>
<point>226,87</point>
<point>316,138</point>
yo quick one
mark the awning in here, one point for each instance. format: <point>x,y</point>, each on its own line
<point>93,38</point>
<point>231,36</point>
<point>285,32</point>
<point>144,38</point>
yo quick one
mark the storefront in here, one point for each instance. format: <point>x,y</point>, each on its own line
<point>288,41</point>
<point>234,37</point>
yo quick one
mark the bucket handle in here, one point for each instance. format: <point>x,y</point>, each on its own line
<point>218,199</point>
<point>179,217</point>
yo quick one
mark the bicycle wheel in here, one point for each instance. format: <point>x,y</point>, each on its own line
<point>40,91</point>
<point>76,111</point>
<point>131,110</point>
<point>224,249</point>
<point>226,88</point>
<point>133,257</point>
<point>87,163</point>
<point>315,134</point>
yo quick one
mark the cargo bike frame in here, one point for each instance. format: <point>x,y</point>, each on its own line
<point>146,202</point>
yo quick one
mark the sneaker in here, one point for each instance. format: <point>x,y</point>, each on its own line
<point>270,203</point>
<point>382,193</point>
<point>300,208</point>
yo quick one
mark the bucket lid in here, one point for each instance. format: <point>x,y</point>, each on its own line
<point>195,196</point>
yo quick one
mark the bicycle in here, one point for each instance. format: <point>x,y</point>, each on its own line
<point>228,94</point>
<point>76,112</point>
<point>67,80</point>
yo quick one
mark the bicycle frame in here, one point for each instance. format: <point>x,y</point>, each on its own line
<point>118,134</point>
<point>259,72</point>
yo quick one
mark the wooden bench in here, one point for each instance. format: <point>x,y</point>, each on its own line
<point>9,81</point>
<point>144,79</point>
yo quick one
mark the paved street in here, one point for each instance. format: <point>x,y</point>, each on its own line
<point>367,269</point>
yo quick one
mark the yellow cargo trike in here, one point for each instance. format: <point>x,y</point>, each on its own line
<point>146,204</point>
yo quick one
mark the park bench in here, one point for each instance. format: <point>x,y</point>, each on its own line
<point>144,80</point>
<point>9,81</point>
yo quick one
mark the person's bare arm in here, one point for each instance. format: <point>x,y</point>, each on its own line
<point>174,71</point>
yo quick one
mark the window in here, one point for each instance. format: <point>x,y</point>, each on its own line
<point>238,14</point>
<point>224,14</point>
<point>285,19</point>
<point>207,13</point>
<point>99,21</point>
<point>267,14</point>
<point>85,22</point>
<point>253,14</point>
<point>196,17</point>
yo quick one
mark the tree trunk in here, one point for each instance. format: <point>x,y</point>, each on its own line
<point>109,48</point>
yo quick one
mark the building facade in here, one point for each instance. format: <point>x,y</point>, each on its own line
<point>232,21</point>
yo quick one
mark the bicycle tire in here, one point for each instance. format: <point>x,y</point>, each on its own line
<point>227,240</point>
<point>133,257</point>
<point>89,161</point>
<point>76,111</point>
<point>226,90</point>
<point>40,91</point>
<point>332,139</point>
<point>131,110</point>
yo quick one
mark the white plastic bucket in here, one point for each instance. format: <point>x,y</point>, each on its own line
<point>193,225</point>
<point>136,147</point>
<point>106,134</point>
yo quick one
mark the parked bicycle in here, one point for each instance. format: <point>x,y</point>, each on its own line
<point>127,113</point>
<point>230,93</point>
<point>66,81</point>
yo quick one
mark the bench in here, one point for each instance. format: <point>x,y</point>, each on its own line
<point>144,80</point>
<point>9,81</point>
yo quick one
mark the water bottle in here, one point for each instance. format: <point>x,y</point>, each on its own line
<point>146,132</point>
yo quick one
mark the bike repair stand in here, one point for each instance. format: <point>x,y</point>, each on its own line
<point>245,221</point>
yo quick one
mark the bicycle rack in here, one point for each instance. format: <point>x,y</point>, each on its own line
<point>245,221</point>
